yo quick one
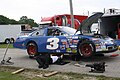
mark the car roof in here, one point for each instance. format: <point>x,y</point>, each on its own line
<point>50,27</point>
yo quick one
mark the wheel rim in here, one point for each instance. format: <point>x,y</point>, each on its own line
<point>86,50</point>
<point>32,50</point>
<point>7,41</point>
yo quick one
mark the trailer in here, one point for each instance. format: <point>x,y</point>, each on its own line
<point>8,33</point>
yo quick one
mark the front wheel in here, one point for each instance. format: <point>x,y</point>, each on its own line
<point>32,50</point>
<point>86,49</point>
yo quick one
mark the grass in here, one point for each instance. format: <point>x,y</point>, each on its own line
<point>9,76</point>
<point>31,74</point>
<point>5,45</point>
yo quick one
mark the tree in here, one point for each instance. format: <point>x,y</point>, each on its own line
<point>26,20</point>
<point>5,20</point>
<point>23,20</point>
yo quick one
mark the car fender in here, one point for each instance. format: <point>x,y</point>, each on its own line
<point>86,39</point>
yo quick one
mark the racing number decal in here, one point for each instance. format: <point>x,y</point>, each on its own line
<point>53,43</point>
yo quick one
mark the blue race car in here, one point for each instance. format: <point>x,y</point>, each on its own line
<point>62,40</point>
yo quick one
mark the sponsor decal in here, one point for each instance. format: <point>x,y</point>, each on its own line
<point>70,41</point>
<point>67,45</point>
<point>64,41</point>
<point>73,46</point>
<point>103,47</point>
<point>75,41</point>
<point>75,37</point>
<point>98,47</point>
<point>57,50</point>
<point>97,44</point>
<point>68,49</point>
<point>74,50</point>
<point>62,47</point>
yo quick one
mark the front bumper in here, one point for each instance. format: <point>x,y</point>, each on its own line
<point>19,45</point>
<point>108,51</point>
<point>106,48</point>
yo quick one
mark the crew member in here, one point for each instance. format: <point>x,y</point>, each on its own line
<point>45,59</point>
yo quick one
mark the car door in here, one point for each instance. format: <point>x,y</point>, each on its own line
<point>53,41</point>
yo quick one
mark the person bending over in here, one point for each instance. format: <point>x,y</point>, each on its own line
<point>45,59</point>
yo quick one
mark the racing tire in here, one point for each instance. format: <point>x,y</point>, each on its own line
<point>86,49</point>
<point>32,50</point>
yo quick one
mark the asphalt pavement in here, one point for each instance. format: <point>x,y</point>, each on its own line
<point>21,59</point>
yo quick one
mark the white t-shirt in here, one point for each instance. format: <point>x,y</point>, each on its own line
<point>54,58</point>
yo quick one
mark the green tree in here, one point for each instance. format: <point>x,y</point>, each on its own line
<point>26,20</point>
<point>5,20</point>
<point>23,20</point>
<point>12,21</point>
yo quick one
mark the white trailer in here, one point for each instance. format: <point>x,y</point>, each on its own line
<point>8,33</point>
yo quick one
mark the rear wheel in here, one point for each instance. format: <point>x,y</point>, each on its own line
<point>12,40</point>
<point>32,50</point>
<point>7,41</point>
<point>86,49</point>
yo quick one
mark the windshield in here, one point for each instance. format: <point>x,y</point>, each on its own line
<point>69,30</point>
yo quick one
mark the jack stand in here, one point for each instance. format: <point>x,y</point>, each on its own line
<point>7,61</point>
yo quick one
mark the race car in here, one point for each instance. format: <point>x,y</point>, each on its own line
<point>63,40</point>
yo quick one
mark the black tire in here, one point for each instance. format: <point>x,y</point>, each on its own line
<point>7,41</point>
<point>12,40</point>
<point>32,50</point>
<point>86,49</point>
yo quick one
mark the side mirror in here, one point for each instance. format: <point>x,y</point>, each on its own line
<point>37,33</point>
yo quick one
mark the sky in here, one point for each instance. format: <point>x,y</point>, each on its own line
<point>36,9</point>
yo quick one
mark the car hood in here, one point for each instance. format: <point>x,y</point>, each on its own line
<point>101,39</point>
<point>89,21</point>
<point>23,36</point>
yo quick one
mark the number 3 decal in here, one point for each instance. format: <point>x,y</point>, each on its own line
<point>53,43</point>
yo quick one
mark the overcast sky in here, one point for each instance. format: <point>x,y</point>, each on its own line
<point>36,9</point>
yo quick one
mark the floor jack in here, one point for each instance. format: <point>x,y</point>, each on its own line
<point>7,61</point>
<point>97,67</point>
